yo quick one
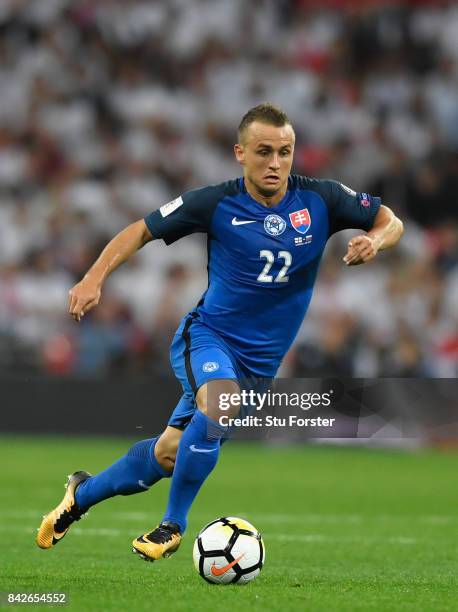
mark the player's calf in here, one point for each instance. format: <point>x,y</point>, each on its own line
<point>135,472</point>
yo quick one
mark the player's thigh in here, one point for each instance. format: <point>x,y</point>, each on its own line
<point>206,369</point>
<point>219,397</point>
<point>198,356</point>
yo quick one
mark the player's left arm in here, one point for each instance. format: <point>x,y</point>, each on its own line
<point>385,233</point>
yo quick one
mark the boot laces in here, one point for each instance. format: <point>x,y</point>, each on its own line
<point>66,518</point>
<point>161,534</point>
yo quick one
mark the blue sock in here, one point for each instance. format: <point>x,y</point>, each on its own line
<point>196,457</point>
<point>133,473</point>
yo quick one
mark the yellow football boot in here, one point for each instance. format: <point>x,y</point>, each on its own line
<point>56,524</point>
<point>161,542</point>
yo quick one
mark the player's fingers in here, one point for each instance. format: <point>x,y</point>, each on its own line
<point>77,316</point>
<point>78,306</point>
<point>368,250</point>
<point>356,249</point>
<point>352,255</point>
<point>89,306</point>
<point>355,255</point>
<point>355,262</point>
<point>84,308</point>
<point>74,304</point>
<point>351,261</point>
<point>357,241</point>
<point>351,249</point>
<point>73,299</point>
<point>363,256</point>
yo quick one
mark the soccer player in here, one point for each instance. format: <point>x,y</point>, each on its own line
<point>266,234</point>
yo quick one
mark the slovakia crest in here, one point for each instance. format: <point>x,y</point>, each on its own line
<point>301,220</point>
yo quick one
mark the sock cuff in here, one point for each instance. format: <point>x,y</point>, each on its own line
<point>141,450</point>
<point>213,430</point>
<point>144,450</point>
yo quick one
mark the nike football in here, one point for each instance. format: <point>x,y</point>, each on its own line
<point>229,550</point>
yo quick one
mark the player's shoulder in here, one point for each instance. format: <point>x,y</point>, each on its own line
<point>325,187</point>
<point>210,195</point>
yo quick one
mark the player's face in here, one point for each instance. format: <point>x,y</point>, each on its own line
<point>266,155</point>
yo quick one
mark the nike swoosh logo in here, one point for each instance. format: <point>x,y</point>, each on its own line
<point>219,571</point>
<point>201,450</point>
<point>142,484</point>
<point>59,537</point>
<point>235,222</point>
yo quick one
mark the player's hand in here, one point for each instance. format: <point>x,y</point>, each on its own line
<point>361,249</point>
<point>82,298</point>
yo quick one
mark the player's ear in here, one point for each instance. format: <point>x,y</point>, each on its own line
<point>239,153</point>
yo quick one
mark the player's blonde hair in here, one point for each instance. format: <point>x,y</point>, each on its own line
<point>264,113</point>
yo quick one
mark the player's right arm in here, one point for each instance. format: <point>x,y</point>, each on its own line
<point>191,212</point>
<point>86,294</point>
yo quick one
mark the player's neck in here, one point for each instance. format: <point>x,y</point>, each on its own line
<point>266,200</point>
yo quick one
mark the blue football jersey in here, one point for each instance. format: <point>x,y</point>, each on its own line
<point>262,262</point>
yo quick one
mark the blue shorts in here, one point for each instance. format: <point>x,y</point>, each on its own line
<point>197,355</point>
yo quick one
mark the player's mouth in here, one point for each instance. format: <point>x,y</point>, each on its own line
<point>272,179</point>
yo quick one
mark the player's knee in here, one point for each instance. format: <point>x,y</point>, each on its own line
<point>167,463</point>
<point>166,447</point>
<point>165,457</point>
<point>218,398</point>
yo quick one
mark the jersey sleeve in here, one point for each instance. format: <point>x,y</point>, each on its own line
<point>349,209</point>
<point>189,213</point>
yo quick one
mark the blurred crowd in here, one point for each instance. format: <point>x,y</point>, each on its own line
<point>109,109</point>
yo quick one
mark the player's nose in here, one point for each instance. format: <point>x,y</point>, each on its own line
<point>275,162</point>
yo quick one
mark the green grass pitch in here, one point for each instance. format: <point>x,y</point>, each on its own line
<point>345,529</point>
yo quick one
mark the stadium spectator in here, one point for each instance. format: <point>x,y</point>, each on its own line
<point>110,109</point>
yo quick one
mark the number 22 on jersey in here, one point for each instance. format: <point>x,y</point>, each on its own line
<point>282,277</point>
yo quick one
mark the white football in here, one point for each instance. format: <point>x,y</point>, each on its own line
<point>229,550</point>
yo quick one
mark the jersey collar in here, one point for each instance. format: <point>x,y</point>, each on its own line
<point>284,202</point>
